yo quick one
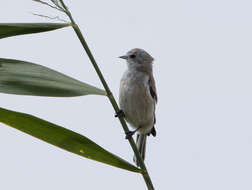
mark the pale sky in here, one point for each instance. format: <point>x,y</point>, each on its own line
<point>202,67</point>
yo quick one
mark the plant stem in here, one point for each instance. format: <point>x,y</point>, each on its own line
<point>111,98</point>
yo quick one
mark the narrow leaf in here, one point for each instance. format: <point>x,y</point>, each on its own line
<point>63,138</point>
<point>24,78</point>
<point>14,29</point>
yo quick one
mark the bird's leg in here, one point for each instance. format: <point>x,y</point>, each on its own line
<point>131,133</point>
<point>120,113</point>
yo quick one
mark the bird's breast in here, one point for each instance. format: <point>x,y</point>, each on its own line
<point>135,100</point>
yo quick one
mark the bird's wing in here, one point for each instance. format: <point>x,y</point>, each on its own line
<point>152,88</point>
<point>153,92</point>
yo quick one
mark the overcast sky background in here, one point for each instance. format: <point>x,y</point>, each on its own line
<point>203,67</point>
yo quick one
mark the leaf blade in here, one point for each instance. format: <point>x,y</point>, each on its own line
<point>15,29</point>
<point>25,78</point>
<point>62,138</point>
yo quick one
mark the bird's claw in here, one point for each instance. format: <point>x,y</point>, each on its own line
<point>129,134</point>
<point>120,113</point>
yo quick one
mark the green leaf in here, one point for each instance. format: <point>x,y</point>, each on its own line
<point>63,138</point>
<point>24,78</point>
<point>14,29</point>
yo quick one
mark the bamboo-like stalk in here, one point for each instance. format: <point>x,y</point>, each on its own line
<point>76,28</point>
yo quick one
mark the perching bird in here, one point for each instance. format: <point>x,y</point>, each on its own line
<point>138,96</point>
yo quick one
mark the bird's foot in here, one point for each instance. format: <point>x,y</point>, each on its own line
<point>129,134</point>
<point>120,113</point>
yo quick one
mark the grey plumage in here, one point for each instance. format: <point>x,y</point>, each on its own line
<point>138,97</point>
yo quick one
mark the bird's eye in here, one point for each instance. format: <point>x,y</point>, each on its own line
<point>132,56</point>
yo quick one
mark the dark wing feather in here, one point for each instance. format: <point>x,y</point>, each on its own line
<point>153,131</point>
<point>152,87</point>
<point>153,93</point>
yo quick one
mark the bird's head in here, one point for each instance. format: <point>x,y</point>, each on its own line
<point>138,59</point>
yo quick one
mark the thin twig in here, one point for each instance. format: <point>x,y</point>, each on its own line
<point>58,4</point>
<point>47,4</point>
<point>55,2</point>
<point>63,5</point>
<point>52,18</point>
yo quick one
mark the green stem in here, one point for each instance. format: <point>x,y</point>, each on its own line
<point>145,173</point>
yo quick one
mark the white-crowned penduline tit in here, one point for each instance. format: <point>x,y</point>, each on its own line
<point>138,96</point>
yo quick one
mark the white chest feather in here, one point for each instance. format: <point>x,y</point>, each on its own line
<point>136,101</point>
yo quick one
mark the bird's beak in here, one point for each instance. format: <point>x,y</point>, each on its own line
<point>124,57</point>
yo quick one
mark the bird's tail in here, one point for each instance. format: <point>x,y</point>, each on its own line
<point>141,146</point>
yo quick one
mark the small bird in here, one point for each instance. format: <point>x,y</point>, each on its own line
<point>138,97</point>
